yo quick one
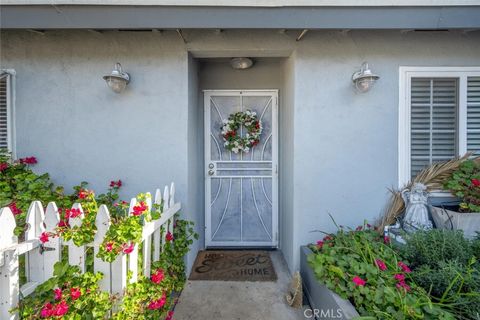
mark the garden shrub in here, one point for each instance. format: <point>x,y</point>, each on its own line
<point>68,295</point>
<point>361,266</point>
<point>446,265</point>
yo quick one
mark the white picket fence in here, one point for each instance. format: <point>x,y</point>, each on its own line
<point>40,259</point>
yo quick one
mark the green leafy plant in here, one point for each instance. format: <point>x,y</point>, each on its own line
<point>465,184</point>
<point>68,295</point>
<point>446,265</point>
<point>361,266</point>
<point>19,186</point>
<point>153,298</point>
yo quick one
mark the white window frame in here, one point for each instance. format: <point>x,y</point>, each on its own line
<point>404,125</point>
<point>10,109</point>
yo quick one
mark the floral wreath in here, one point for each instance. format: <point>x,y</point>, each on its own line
<point>233,141</point>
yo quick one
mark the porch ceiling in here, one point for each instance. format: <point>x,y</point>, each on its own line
<point>198,17</point>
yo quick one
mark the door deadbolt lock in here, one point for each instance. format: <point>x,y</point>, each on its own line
<point>211,172</point>
<point>211,166</point>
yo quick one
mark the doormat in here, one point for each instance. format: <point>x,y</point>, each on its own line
<point>233,266</point>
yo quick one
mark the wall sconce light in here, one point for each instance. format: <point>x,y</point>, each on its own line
<point>364,79</point>
<point>241,63</point>
<point>118,79</point>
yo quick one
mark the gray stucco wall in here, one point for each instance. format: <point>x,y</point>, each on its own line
<point>338,148</point>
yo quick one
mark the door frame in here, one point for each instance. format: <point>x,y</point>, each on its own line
<point>275,154</point>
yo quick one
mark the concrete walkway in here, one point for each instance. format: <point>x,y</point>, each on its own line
<point>235,300</point>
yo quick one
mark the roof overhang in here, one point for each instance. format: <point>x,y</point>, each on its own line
<point>221,17</point>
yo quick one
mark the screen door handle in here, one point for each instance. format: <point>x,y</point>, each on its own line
<point>211,172</point>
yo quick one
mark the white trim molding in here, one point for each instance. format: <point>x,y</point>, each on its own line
<point>405,76</point>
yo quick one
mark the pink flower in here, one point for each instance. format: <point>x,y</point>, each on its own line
<point>47,310</point>
<point>169,236</point>
<point>157,304</point>
<point>3,166</point>
<point>58,293</point>
<point>44,237</point>
<point>61,309</point>
<point>109,246</point>
<point>359,281</point>
<point>403,285</point>
<point>380,264</point>
<point>28,160</point>
<point>169,315</point>
<point>158,276</point>
<point>115,184</point>
<point>15,210</point>
<point>327,238</point>
<point>72,213</point>
<point>62,224</point>
<point>404,267</point>
<point>386,239</point>
<point>128,248</point>
<point>75,293</point>
<point>320,244</point>
<point>400,277</point>
<point>140,208</point>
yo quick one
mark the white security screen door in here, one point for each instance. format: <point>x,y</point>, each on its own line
<point>241,188</point>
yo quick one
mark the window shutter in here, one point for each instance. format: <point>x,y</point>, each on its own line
<point>434,105</point>
<point>473,115</point>
<point>4,126</point>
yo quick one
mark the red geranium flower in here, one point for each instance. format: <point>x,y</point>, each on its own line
<point>404,267</point>
<point>61,309</point>
<point>109,246</point>
<point>169,315</point>
<point>58,293</point>
<point>380,264</point>
<point>128,248</point>
<point>47,310</point>
<point>114,184</point>
<point>319,244</point>
<point>157,304</point>
<point>386,239</point>
<point>359,281</point>
<point>140,208</point>
<point>158,276</point>
<point>44,237</point>
<point>72,213</point>
<point>13,207</point>
<point>28,160</point>
<point>169,236</point>
<point>476,182</point>
<point>400,277</point>
<point>403,285</point>
<point>75,293</point>
<point>82,194</point>
<point>3,166</point>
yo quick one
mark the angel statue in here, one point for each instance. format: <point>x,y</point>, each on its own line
<point>416,212</point>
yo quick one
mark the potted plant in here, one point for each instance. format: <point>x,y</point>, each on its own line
<point>358,272</point>
<point>464,183</point>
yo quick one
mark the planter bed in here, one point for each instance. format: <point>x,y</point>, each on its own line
<point>452,220</point>
<point>329,304</point>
